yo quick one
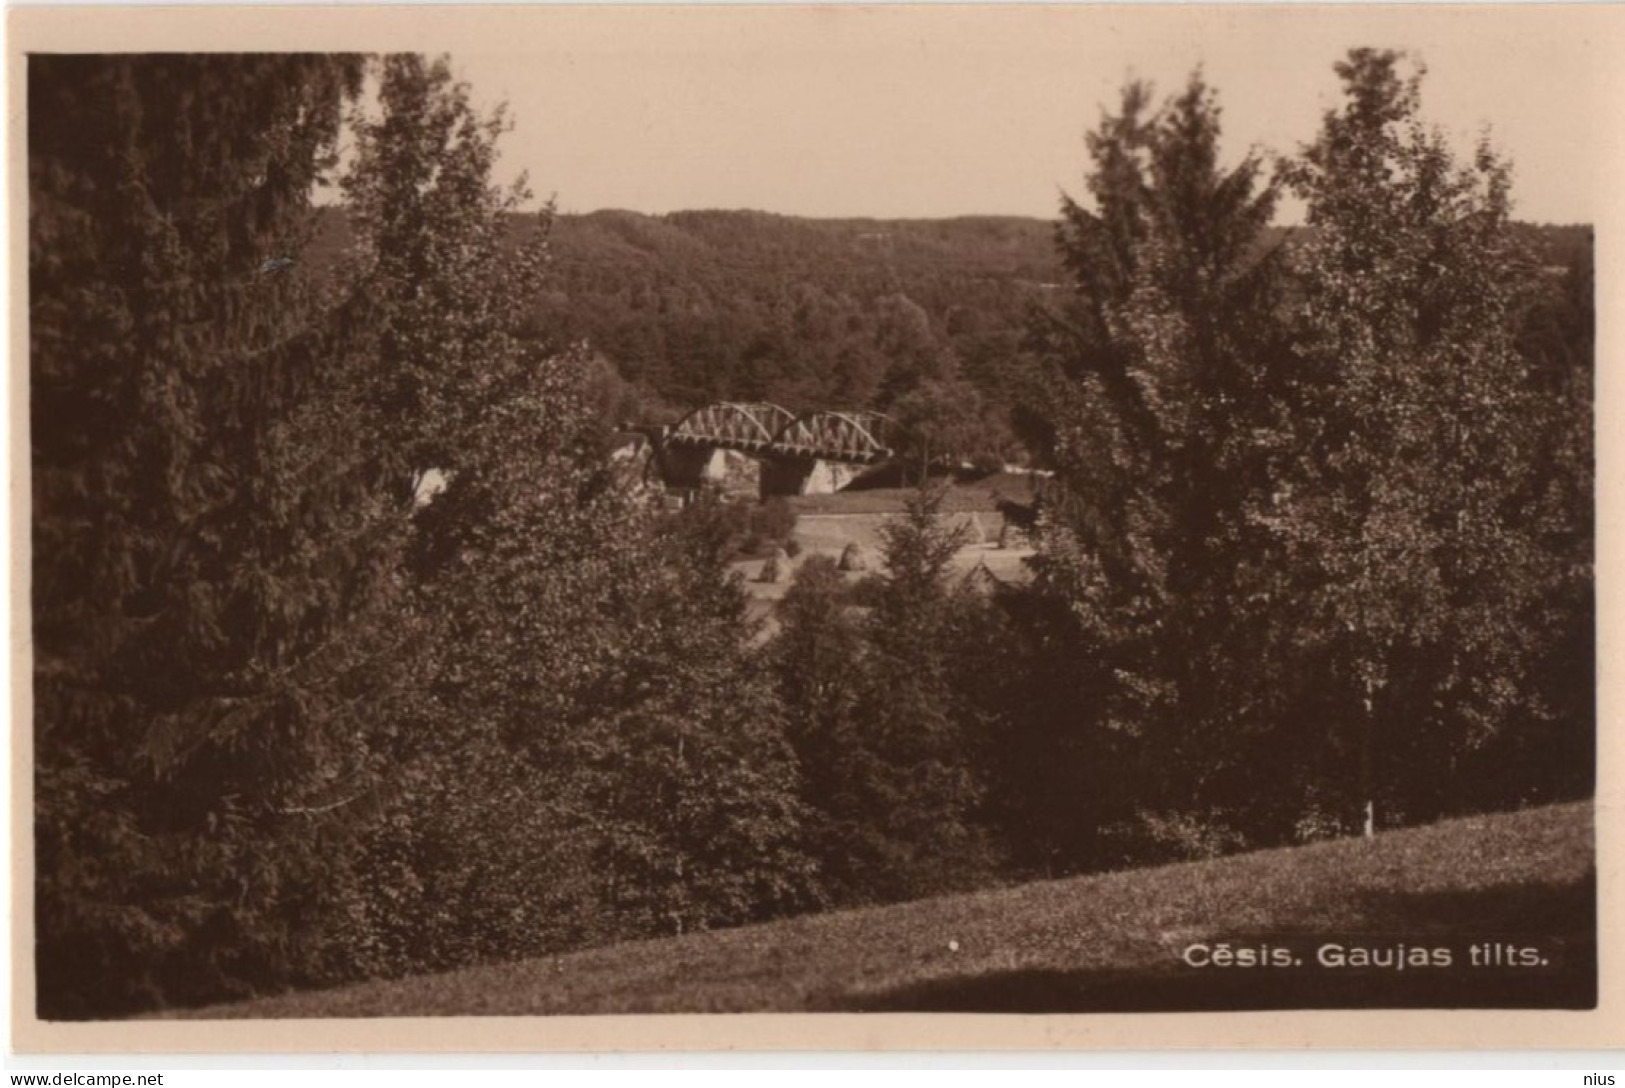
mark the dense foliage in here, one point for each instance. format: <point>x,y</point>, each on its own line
<point>1426,500</point>
<point>696,307</point>
<point>686,309</point>
<point>893,745</point>
<point>358,654</point>
<point>1164,361</point>
<point>1319,521</point>
<point>285,680</point>
<point>206,574</point>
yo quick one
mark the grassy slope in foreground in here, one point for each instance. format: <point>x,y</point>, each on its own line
<point>1100,943</point>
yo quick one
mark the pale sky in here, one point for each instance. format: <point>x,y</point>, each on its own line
<point>936,111</point>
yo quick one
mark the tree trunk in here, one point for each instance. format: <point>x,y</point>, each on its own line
<point>1367,786</point>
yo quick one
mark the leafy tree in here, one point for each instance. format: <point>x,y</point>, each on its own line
<point>430,231</point>
<point>904,335</point>
<point>1426,502</point>
<point>947,421</point>
<point>210,552</point>
<point>588,709</point>
<point>465,391</point>
<point>1556,757</point>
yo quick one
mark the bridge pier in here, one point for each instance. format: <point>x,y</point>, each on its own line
<point>787,476</point>
<point>693,467</point>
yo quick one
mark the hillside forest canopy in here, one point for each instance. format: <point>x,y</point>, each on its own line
<point>1313,559</point>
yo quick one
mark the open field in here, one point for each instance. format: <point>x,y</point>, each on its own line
<point>979,495</point>
<point>1113,942</point>
<point>826,524</point>
<point>829,534</point>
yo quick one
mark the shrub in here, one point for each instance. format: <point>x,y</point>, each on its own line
<point>716,527</point>
<point>866,591</point>
<point>774,519</point>
<point>1156,838</point>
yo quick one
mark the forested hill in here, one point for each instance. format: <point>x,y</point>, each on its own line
<point>698,306</point>
<point>745,305</point>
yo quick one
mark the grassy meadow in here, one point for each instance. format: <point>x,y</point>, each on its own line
<point>1106,943</point>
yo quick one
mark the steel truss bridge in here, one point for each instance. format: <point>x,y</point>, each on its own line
<point>768,431</point>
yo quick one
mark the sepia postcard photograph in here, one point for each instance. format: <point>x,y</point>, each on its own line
<point>602,527</point>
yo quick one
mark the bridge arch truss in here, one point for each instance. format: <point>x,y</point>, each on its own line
<point>842,436</point>
<point>733,424</point>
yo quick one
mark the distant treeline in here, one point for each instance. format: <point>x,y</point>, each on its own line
<point>701,306</point>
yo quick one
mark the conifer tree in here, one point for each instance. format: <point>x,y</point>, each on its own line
<point>892,754</point>
<point>819,660</point>
<point>208,561</point>
<point>925,757</point>
<point>1161,368</point>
